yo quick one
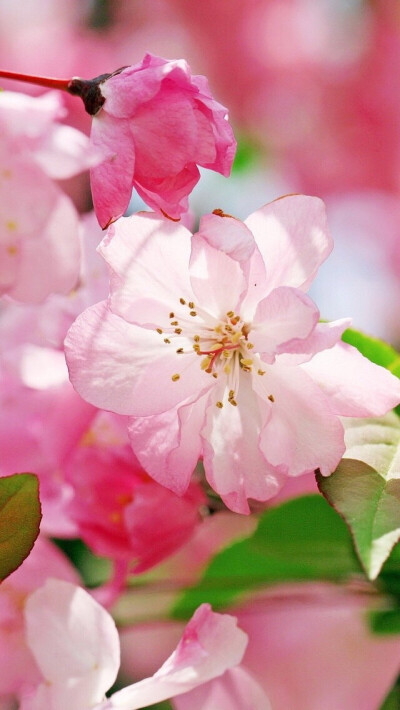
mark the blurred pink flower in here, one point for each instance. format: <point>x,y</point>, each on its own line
<point>18,668</point>
<point>76,646</point>
<point>264,399</point>
<point>158,122</point>
<point>39,246</point>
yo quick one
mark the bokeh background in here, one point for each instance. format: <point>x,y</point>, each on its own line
<point>313,93</point>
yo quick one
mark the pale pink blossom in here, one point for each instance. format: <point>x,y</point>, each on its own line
<point>76,647</point>
<point>91,484</point>
<point>212,347</point>
<point>18,668</point>
<point>39,245</point>
<point>157,124</point>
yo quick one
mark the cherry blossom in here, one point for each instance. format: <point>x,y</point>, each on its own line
<point>212,347</point>
<point>18,668</point>
<point>39,245</point>
<point>157,123</point>
<point>76,647</point>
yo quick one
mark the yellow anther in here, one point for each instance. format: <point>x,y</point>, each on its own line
<point>232,402</point>
<point>178,330</point>
<point>249,346</point>
<point>196,338</point>
<point>226,354</point>
<point>205,363</point>
<point>191,304</point>
<point>246,362</point>
<point>231,394</point>
<point>179,351</point>
<point>235,320</point>
<point>219,405</point>
<point>227,369</point>
<point>261,372</point>
<point>12,250</point>
<point>11,225</point>
<point>230,314</point>
<point>229,328</point>
<point>192,313</point>
<point>175,377</point>
<point>159,330</point>
<point>216,346</point>
<point>182,300</point>
<point>271,398</point>
<point>218,328</point>
<point>196,347</point>
<point>215,374</point>
<point>167,340</point>
<point>172,315</point>
<point>174,322</point>
<point>236,337</point>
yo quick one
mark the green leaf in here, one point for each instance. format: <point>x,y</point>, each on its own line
<point>20,516</point>
<point>365,488</point>
<point>374,349</point>
<point>392,701</point>
<point>302,539</point>
<point>247,154</point>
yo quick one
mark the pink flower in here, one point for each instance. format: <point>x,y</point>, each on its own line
<point>118,510</point>
<point>158,122</point>
<point>212,347</point>
<point>39,245</point>
<point>18,668</point>
<point>76,647</point>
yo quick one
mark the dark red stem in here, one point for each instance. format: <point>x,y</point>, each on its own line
<point>48,82</point>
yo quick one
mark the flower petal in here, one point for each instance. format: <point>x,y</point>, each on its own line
<point>235,467</point>
<point>355,385</point>
<point>217,279</point>
<point>168,445</point>
<point>211,643</point>
<point>149,256</point>
<point>293,238</point>
<point>302,433</point>
<point>281,320</point>
<point>235,690</point>
<point>72,638</point>
<point>111,181</point>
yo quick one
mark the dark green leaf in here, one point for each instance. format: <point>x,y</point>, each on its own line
<point>20,516</point>
<point>302,539</point>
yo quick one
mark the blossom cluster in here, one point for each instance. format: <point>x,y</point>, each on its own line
<point>163,387</point>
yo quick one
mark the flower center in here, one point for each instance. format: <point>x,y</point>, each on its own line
<point>222,344</point>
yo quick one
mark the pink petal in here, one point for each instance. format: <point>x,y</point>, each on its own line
<point>211,643</point>
<point>105,355</point>
<point>149,256</point>
<point>50,263</point>
<point>302,433</point>
<point>178,133</point>
<point>168,194</point>
<point>227,234</point>
<point>235,467</point>
<point>217,279</point>
<point>281,320</point>
<point>293,238</point>
<point>111,181</point>
<point>123,368</point>
<point>74,641</point>
<point>235,690</point>
<point>42,110</point>
<point>323,337</point>
<point>126,91</point>
<point>355,386</point>
<point>65,152</point>
<point>168,445</point>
